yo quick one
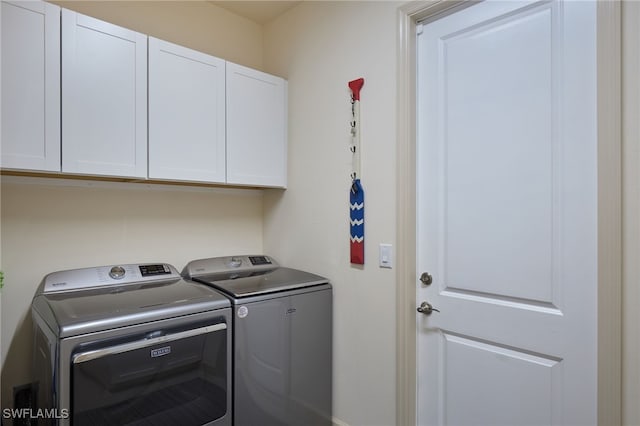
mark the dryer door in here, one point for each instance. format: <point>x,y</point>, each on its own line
<point>171,376</point>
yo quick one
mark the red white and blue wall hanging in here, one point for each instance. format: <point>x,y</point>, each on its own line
<point>356,191</point>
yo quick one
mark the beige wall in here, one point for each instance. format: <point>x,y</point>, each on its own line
<point>319,47</point>
<point>47,227</point>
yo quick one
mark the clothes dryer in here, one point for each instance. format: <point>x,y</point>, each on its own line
<point>131,344</point>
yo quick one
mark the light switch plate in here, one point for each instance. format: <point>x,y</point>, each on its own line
<point>386,256</point>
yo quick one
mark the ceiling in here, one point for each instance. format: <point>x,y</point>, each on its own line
<point>258,11</point>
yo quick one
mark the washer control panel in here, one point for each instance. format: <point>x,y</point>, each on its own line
<point>100,276</point>
<point>117,272</point>
<point>218,265</point>
<point>234,262</point>
<point>260,260</point>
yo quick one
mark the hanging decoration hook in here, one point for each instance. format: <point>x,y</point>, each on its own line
<point>356,191</point>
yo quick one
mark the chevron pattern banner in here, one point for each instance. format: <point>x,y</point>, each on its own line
<point>356,205</point>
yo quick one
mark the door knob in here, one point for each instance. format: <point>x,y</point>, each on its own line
<point>426,278</point>
<point>426,308</point>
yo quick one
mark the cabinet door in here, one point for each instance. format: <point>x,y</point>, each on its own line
<point>30,86</point>
<point>186,114</point>
<point>104,98</point>
<point>256,128</point>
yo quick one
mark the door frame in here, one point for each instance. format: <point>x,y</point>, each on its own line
<point>609,124</point>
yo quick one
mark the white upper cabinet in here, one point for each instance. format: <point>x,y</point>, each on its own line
<point>76,99</point>
<point>104,98</point>
<point>30,86</point>
<point>186,114</point>
<point>256,128</point>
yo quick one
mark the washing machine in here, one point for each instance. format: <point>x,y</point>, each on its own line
<point>131,344</point>
<point>282,339</point>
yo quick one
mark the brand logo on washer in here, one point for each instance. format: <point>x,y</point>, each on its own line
<point>243,311</point>
<point>155,353</point>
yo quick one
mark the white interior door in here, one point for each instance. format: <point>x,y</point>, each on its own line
<point>507,215</point>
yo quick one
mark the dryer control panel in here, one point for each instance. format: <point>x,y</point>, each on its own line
<point>100,276</point>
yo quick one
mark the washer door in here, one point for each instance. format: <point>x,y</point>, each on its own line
<point>173,376</point>
<point>283,360</point>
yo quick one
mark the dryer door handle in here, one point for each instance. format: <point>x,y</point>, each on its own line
<point>139,344</point>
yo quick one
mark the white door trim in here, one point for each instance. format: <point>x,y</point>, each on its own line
<point>609,45</point>
<point>631,214</point>
<point>609,207</point>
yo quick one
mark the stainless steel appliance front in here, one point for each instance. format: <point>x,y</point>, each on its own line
<point>139,346</point>
<point>282,339</point>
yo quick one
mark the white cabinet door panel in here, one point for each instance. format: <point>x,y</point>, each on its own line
<point>30,86</point>
<point>104,98</point>
<point>256,128</point>
<point>186,114</point>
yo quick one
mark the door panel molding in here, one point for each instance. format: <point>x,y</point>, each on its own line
<point>609,206</point>
<point>456,156</point>
<point>495,395</point>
